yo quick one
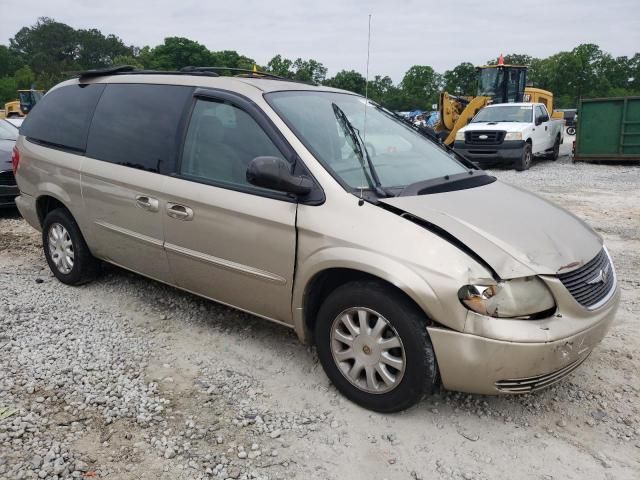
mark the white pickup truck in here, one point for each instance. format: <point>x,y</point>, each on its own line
<point>511,133</point>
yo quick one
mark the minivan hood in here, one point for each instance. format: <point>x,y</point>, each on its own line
<point>514,231</point>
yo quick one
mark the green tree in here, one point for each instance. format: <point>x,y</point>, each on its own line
<point>96,50</point>
<point>461,80</point>
<point>8,89</point>
<point>348,80</point>
<point>175,53</point>
<point>10,61</point>
<point>380,88</point>
<point>421,84</point>
<point>280,66</point>
<point>24,78</point>
<point>309,70</point>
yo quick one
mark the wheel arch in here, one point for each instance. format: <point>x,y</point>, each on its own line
<point>313,286</point>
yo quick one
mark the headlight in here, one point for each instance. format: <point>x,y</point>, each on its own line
<point>460,135</point>
<point>518,298</point>
<point>513,136</point>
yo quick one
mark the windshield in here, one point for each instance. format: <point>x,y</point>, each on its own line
<point>8,131</point>
<point>398,155</point>
<point>490,79</point>
<point>506,113</point>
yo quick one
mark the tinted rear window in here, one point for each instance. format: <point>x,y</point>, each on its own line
<point>137,125</point>
<point>63,116</point>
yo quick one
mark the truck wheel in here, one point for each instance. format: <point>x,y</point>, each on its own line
<point>374,346</point>
<point>571,130</point>
<point>556,150</point>
<point>524,162</point>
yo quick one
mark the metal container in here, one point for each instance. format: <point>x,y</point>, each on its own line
<point>608,129</point>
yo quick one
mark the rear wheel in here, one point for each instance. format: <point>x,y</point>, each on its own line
<point>571,130</point>
<point>555,153</point>
<point>66,251</point>
<point>373,344</point>
<point>524,162</point>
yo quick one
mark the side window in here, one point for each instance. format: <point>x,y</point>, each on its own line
<point>63,116</point>
<point>221,141</point>
<point>544,113</point>
<point>538,112</point>
<point>137,125</point>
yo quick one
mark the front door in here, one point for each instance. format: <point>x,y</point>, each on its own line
<point>226,239</point>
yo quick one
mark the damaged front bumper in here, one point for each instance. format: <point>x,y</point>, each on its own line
<point>523,355</point>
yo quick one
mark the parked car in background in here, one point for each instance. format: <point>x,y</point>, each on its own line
<point>405,264</point>
<point>512,133</point>
<point>16,121</point>
<point>8,187</point>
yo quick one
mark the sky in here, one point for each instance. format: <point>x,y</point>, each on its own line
<point>334,32</point>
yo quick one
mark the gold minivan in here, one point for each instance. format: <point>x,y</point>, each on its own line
<point>313,207</point>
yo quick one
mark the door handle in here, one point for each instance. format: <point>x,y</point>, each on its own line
<point>181,212</point>
<point>147,203</point>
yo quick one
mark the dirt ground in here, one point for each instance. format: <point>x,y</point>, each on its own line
<point>230,380</point>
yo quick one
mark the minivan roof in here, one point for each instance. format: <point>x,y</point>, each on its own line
<point>198,79</point>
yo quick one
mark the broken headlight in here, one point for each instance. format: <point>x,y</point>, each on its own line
<point>518,298</point>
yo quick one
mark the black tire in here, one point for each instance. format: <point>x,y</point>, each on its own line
<point>571,130</point>
<point>524,162</point>
<point>407,322</point>
<point>85,266</point>
<point>555,153</point>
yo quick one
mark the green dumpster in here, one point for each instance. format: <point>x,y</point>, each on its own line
<point>608,129</point>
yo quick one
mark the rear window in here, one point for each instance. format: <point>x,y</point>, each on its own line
<point>137,125</point>
<point>62,117</point>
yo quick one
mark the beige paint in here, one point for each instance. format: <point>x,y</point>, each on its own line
<point>260,254</point>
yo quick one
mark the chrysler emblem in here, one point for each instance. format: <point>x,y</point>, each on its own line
<point>601,277</point>
<point>483,137</point>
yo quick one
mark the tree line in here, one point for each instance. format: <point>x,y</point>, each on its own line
<point>48,52</point>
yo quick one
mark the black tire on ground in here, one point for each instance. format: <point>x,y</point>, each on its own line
<point>85,266</point>
<point>555,153</point>
<point>524,162</point>
<point>420,371</point>
<point>571,130</point>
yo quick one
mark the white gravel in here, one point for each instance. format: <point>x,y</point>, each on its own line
<point>126,378</point>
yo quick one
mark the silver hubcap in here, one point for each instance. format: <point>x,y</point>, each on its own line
<point>367,350</point>
<point>61,248</point>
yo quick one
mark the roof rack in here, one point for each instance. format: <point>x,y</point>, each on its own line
<point>131,70</point>
<point>201,71</point>
<point>242,72</point>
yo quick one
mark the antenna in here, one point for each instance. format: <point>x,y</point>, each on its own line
<point>366,87</point>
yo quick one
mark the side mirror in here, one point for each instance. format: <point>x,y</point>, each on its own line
<point>274,173</point>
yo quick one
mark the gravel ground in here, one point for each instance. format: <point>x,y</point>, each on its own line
<point>126,378</point>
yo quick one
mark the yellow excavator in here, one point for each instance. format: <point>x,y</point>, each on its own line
<point>23,105</point>
<point>496,84</point>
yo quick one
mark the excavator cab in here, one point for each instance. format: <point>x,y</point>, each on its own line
<point>28,99</point>
<point>502,83</point>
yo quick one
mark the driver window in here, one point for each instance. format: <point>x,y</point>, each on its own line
<point>221,141</point>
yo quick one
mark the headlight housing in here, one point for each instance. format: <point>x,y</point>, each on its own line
<point>460,135</point>
<point>513,136</point>
<point>524,298</point>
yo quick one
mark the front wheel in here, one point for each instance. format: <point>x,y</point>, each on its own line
<point>373,344</point>
<point>571,130</point>
<point>524,162</point>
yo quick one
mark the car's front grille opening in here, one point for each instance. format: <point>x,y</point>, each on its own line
<point>489,137</point>
<point>7,178</point>
<point>591,284</point>
<point>531,384</point>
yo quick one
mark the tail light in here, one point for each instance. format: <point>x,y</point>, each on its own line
<point>15,159</point>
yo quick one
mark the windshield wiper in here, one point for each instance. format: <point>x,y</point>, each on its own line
<point>360,149</point>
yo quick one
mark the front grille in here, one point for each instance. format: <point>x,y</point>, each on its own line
<point>7,178</point>
<point>489,137</point>
<point>531,384</point>
<point>592,283</point>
